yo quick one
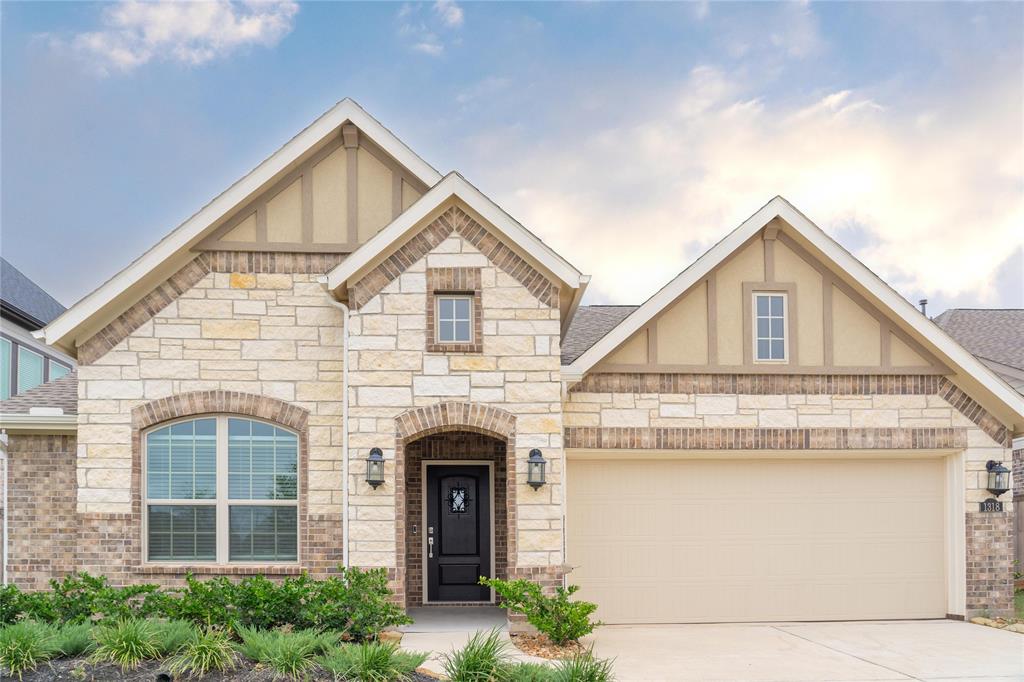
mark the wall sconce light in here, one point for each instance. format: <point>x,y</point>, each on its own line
<point>998,478</point>
<point>535,469</point>
<point>375,468</point>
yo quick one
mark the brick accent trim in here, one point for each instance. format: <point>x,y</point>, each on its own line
<point>246,262</point>
<point>464,281</point>
<point>669,438</point>
<point>984,420</point>
<point>220,402</point>
<point>798,384</point>
<point>759,384</point>
<point>458,221</point>
<point>152,303</point>
<point>453,416</point>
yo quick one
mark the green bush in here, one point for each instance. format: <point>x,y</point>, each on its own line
<point>561,619</point>
<point>583,667</point>
<point>126,643</point>
<point>74,639</point>
<point>371,662</point>
<point>484,658</point>
<point>11,604</point>
<point>205,651</point>
<point>355,603</point>
<point>171,635</point>
<point>25,645</point>
<point>292,654</point>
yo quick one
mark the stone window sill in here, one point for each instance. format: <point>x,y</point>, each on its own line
<point>232,569</point>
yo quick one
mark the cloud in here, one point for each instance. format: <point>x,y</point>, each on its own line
<point>133,33</point>
<point>423,30</point>
<point>929,196</point>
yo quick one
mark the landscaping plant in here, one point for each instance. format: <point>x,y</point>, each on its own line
<point>371,662</point>
<point>291,654</point>
<point>528,672</point>
<point>25,645</point>
<point>205,651</point>
<point>74,639</point>
<point>484,658</point>
<point>126,643</point>
<point>583,667</point>
<point>171,635</point>
<point>558,617</point>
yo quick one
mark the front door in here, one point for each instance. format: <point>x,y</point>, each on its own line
<point>458,532</point>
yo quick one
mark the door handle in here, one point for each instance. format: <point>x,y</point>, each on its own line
<point>430,548</point>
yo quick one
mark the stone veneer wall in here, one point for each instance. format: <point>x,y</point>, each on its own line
<point>255,325</point>
<point>42,523</point>
<point>696,412</point>
<point>516,371</point>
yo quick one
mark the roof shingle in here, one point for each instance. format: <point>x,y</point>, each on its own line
<point>589,325</point>
<point>62,393</point>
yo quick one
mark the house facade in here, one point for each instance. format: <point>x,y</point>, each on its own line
<point>349,359</point>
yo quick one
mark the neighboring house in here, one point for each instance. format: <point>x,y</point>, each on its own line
<point>348,358</point>
<point>996,337</point>
<point>24,308</point>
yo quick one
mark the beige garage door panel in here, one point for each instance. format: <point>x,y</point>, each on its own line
<point>663,541</point>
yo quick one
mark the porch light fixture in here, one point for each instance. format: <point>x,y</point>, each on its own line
<point>535,469</point>
<point>998,478</point>
<point>375,468</point>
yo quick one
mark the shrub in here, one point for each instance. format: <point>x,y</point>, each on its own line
<point>371,662</point>
<point>583,667</point>
<point>484,658</point>
<point>528,672</point>
<point>171,635</point>
<point>288,653</point>
<point>80,597</point>
<point>10,604</point>
<point>556,616</point>
<point>25,645</point>
<point>355,603</point>
<point>205,651</point>
<point>126,643</point>
<point>74,639</point>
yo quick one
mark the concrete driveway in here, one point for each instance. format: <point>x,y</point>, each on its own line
<point>767,652</point>
<point>890,650</point>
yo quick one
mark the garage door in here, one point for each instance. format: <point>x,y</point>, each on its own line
<point>669,541</point>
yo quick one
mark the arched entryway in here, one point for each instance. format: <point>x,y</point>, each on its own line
<point>456,475</point>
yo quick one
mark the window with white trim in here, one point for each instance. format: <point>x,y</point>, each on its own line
<point>770,343</point>
<point>454,319</point>
<point>221,490</point>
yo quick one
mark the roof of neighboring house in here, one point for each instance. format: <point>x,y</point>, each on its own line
<point>995,336</point>
<point>61,393</point>
<point>25,300</point>
<point>588,326</point>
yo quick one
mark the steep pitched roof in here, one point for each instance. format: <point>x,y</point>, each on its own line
<point>885,297</point>
<point>138,275</point>
<point>454,185</point>
<point>60,393</point>
<point>25,300</point>
<point>995,336</point>
<point>589,325</point>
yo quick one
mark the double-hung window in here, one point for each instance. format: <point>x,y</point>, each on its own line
<point>221,490</point>
<point>770,343</point>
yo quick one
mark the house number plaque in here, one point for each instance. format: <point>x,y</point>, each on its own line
<point>990,505</point>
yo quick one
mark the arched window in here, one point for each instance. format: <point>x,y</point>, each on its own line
<point>221,489</point>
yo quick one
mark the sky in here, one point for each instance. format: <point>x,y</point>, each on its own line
<point>630,137</point>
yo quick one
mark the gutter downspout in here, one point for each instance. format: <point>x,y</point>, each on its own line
<point>344,420</point>
<point>3,461</point>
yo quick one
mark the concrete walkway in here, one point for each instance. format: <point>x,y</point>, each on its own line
<point>441,630</point>
<point>938,651</point>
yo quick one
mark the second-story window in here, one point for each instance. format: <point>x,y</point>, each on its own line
<point>770,344</point>
<point>454,319</point>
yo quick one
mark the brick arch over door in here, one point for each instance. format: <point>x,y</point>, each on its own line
<point>449,417</point>
<point>196,404</point>
<point>453,416</point>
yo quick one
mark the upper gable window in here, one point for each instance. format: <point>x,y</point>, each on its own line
<point>770,342</point>
<point>455,319</point>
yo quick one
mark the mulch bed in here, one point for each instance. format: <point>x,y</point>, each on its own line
<point>79,670</point>
<point>542,647</point>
